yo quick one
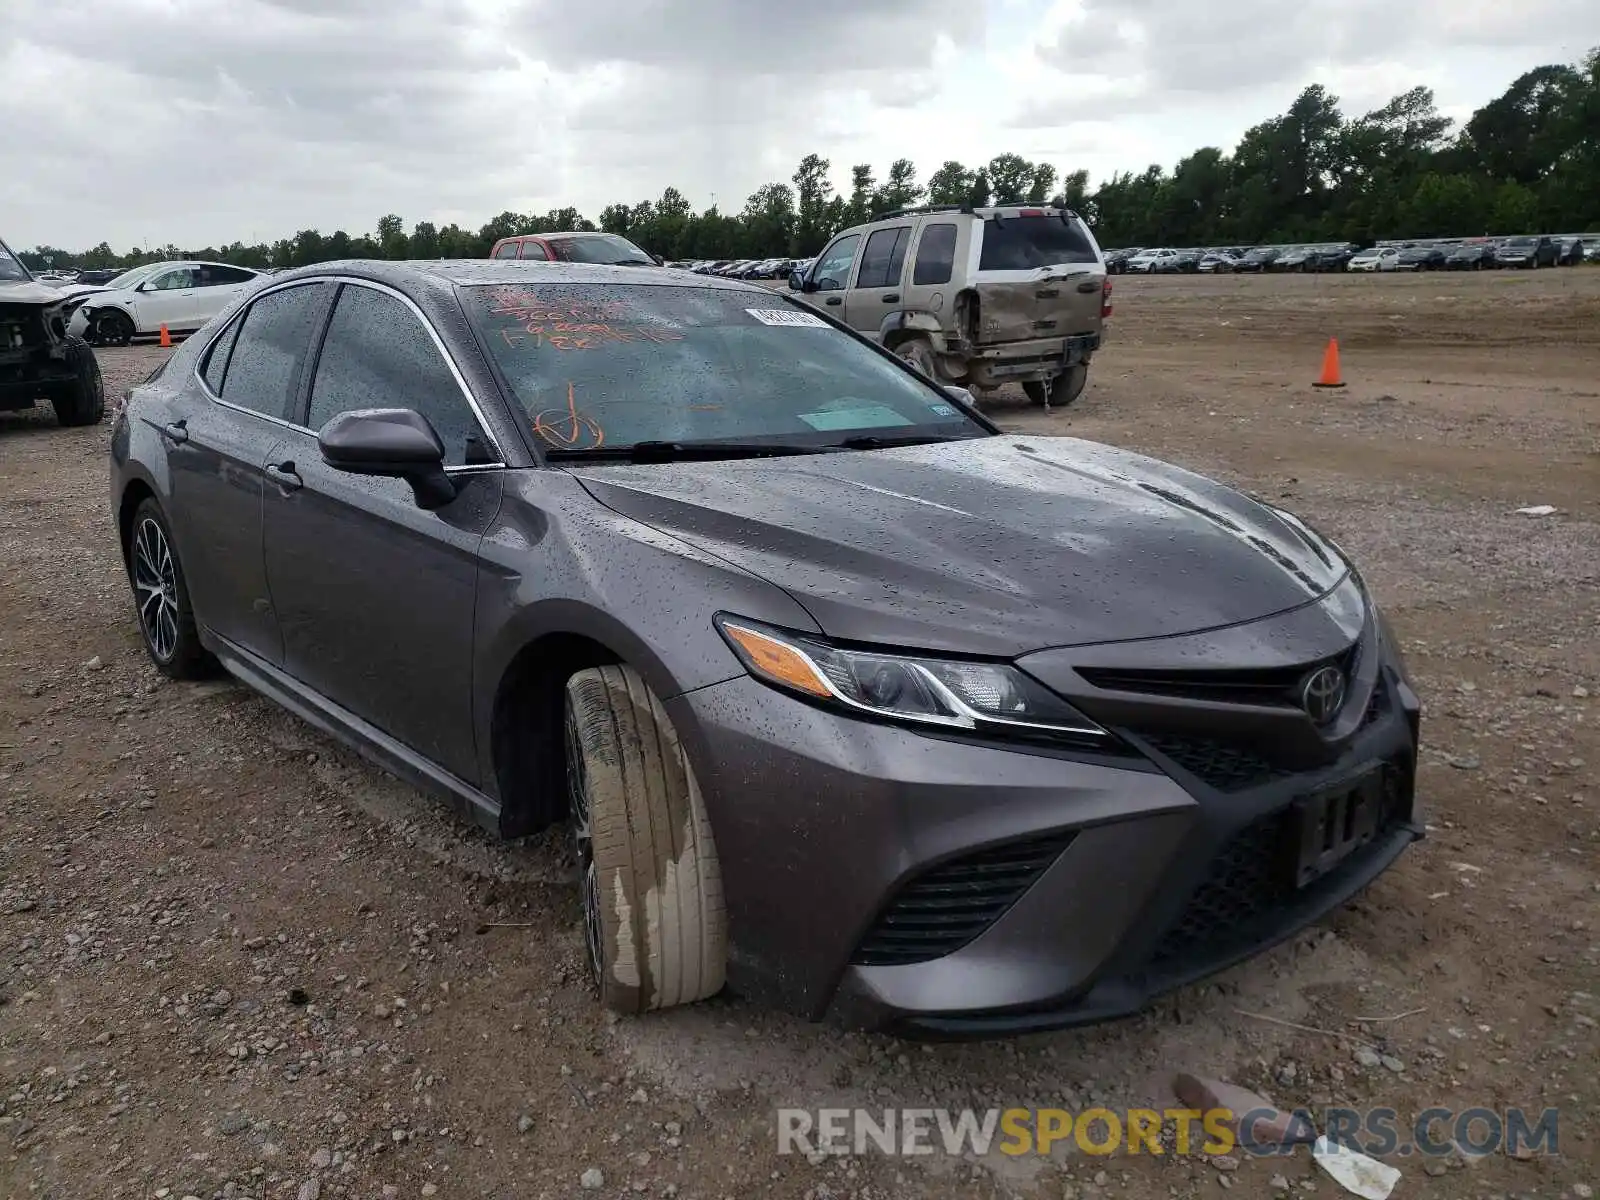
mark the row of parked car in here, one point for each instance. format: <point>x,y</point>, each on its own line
<point>1541,250</point>
<point>745,268</point>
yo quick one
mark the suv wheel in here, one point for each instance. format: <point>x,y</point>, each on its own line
<point>919,354</point>
<point>654,924</point>
<point>1061,390</point>
<point>82,399</point>
<point>166,617</point>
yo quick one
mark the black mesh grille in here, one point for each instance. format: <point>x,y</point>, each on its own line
<point>1276,686</point>
<point>1251,877</point>
<point>1224,767</point>
<point>947,906</point>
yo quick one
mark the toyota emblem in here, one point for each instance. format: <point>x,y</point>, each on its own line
<point>1322,694</point>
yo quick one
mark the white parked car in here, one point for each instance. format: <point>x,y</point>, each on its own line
<point>1379,258</point>
<point>180,295</point>
<point>1149,262</point>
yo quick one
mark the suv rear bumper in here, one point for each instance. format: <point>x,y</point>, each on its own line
<point>1018,362</point>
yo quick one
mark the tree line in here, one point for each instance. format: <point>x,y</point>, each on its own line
<point>1527,161</point>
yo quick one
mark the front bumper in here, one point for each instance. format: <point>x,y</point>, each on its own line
<point>1137,875</point>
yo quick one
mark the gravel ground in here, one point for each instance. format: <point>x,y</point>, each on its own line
<point>235,961</point>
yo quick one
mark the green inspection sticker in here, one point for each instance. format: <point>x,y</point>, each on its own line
<point>870,416</point>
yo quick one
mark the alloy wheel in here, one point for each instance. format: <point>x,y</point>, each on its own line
<point>583,844</point>
<point>155,582</point>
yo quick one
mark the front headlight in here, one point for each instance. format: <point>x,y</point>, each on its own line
<point>979,697</point>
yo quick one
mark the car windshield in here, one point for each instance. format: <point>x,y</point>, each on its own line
<point>1520,242</point>
<point>603,367</point>
<point>10,267</point>
<point>604,248</point>
<point>131,277</point>
<point>1027,243</point>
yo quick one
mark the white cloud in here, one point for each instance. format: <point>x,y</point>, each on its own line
<point>199,121</point>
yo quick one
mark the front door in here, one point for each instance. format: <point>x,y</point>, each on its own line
<point>831,275</point>
<point>876,292</point>
<point>374,594</point>
<point>168,298</point>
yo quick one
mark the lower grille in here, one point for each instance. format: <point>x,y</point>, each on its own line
<point>1250,878</point>
<point>949,905</point>
<point>1216,764</point>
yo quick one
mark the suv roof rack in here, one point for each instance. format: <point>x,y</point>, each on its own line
<point>923,208</point>
<point>969,209</point>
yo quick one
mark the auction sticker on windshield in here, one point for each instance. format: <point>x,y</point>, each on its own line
<point>787,316</point>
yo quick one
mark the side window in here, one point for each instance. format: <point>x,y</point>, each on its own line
<point>883,258</point>
<point>216,363</point>
<point>171,281</point>
<point>379,355</point>
<point>833,268</point>
<point>936,255</point>
<point>219,276</point>
<point>263,372</point>
<point>506,250</point>
<point>534,250</point>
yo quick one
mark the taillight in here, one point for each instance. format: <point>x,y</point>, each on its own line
<point>1105,298</point>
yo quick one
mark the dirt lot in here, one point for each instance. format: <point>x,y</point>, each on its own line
<point>237,962</point>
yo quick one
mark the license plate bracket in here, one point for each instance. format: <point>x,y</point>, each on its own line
<point>1331,825</point>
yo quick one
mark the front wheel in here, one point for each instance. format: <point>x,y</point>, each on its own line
<point>82,399</point>
<point>113,328</point>
<point>654,924</point>
<point>161,592</point>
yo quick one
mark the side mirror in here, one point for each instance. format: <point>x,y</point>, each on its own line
<point>659,261</point>
<point>395,442</point>
<point>797,281</point>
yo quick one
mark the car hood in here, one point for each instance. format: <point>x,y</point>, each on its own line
<point>30,291</point>
<point>994,546</point>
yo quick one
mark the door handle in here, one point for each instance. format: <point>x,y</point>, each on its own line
<point>892,298</point>
<point>285,476</point>
<point>177,431</point>
<point>835,300</point>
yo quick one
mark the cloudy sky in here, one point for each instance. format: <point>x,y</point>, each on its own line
<point>202,121</point>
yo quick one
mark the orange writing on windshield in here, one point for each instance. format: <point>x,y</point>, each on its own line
<point>569,429</point>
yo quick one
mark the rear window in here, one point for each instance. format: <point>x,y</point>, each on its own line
<point>1025,243</point>
<point>605,248</point>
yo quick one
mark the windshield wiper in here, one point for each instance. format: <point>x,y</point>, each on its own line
<point>877,441</point>
<point>652,452</point>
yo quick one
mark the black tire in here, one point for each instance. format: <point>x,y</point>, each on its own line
<point>161,597</point>
<point>917,352</point>
<point>82,400</point>
<point>1062,390</point>
<point>113,327</point>
<point>654,923</point>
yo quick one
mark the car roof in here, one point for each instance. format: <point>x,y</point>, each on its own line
<point>470,272</point>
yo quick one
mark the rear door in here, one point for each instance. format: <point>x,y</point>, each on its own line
<point>218,285</point>
<point>877,283</point>
<point>1038,274</point>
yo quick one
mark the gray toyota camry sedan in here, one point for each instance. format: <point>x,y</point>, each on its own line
<point>849,699</point>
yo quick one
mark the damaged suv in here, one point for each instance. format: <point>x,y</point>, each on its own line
<point>974,296</point>
<point>39,359</point>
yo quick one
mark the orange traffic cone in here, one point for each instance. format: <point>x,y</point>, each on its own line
<point>1330,367</point>
<point>166,338</point>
